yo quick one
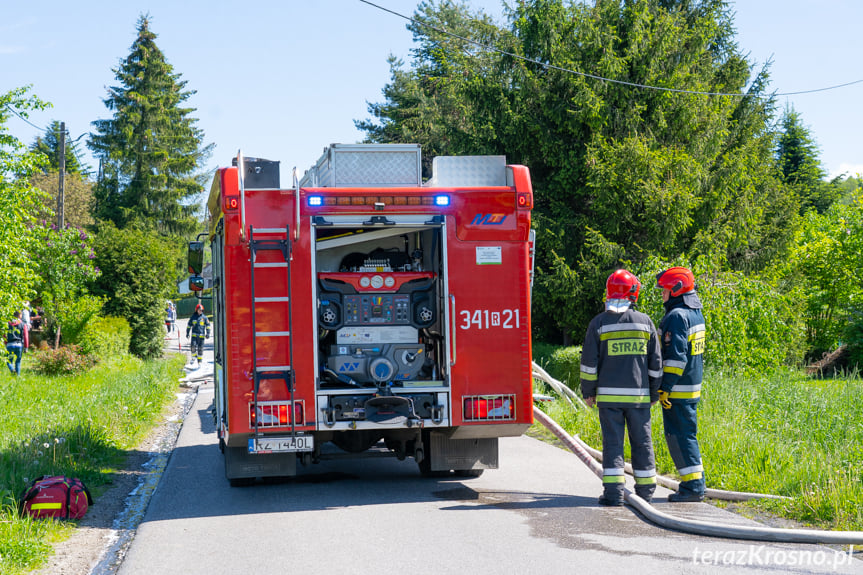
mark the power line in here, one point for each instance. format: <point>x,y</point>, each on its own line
<point>11,109</point>
<point>594,76</point>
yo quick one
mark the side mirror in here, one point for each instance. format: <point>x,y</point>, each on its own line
<point>196,258</point>
<point>196,283</point>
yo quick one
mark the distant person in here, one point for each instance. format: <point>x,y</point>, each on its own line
<point>16,338</point>
<point>199,328</point>
<point>170,316</point>
<point>682,333</point>
<point>620,373</point>
<point>25,315</point>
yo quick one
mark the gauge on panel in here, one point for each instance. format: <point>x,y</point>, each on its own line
<point>390,281</point>
<point>365,281</point>
<point>377,282</point>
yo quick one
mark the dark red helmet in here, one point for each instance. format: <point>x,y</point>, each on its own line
<point>677,280</point>
<point>622,285</point>
<point>199,307</point>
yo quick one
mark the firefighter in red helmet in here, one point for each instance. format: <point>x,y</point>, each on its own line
<point>199,328</point>
<point>682,333</point>
<point>620,373</point>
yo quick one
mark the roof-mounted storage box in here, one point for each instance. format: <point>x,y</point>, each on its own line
<point>259,173</point>
<point>366,165</point>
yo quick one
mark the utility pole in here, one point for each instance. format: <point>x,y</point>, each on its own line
<point>61,150</point>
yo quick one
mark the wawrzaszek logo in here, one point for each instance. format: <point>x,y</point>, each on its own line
<point>774,557</point>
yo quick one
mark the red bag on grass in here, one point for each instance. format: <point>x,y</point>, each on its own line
<point>57,497</point>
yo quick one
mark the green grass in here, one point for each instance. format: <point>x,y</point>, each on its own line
<point>783,433</point>
<point>80,426</point>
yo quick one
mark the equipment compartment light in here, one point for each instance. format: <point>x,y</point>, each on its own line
<point>315,201</point>
<point>441,201</point>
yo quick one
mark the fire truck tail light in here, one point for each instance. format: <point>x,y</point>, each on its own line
<point>441,201</point>
<point>489,407</point>
<point>315,201</point>
<point>275,414</point>
<point>231,203</point>
<point>522,200</point>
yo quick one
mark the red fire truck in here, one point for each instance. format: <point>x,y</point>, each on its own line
<point>361,311</point>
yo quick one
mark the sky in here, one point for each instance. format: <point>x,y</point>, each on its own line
<point>282,79</point>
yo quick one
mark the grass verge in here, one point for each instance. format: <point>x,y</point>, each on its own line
<point>80,426</point>
<point>783,433</point>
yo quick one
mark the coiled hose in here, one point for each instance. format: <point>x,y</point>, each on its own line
<point>692,525</point>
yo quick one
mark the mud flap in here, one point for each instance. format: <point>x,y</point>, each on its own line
<point>461,454</point>
<point>240,464</point>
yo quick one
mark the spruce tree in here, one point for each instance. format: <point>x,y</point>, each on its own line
<point>149,150</point>
<point>49,146</point>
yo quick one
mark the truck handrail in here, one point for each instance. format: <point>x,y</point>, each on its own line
<point>241,170</point>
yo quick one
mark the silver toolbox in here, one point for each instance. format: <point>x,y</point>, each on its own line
<point>366,165</point>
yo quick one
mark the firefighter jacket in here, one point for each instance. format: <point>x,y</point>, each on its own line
<point>682,332</point>
<point>198,325</point>
<point>620,362</point>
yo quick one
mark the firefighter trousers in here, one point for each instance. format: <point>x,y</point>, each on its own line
<point>614,422</point>
<point>681,429</point>
<point>198,347</point>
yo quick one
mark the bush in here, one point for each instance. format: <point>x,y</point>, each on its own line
<point>67,360</point>
<point>106,337</point>
<point>562,363</point>
<point>137,272</point>
<point>76,316</point>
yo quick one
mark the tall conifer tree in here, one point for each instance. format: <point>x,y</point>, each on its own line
<point>150,149</point>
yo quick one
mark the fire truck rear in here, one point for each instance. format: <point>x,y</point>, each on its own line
<point>361,311</point>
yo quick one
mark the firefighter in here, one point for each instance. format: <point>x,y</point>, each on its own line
<point>682,333</point>
<point>620,373</point>
<point>199,327</point>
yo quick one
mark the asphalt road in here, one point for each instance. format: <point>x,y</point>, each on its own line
<point>536,514</point>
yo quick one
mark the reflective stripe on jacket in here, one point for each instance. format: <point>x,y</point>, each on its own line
<point>620,362</point>
<point>682,332</point>
<point>198,325</point>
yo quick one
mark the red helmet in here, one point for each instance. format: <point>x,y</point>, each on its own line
<point>199,307</point>
<point>622,285</point>
<point>677,280</point>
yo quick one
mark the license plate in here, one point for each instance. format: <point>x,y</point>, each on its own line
<point>282,444</point>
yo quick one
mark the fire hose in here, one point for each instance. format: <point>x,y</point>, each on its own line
<point>692,525</point>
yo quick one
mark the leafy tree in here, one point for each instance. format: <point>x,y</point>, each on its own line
<point>151,147</point>
<point>49,146</point>
<point>65,267</point>
<point>619,172</point>
<point>19,202</point>
<point>828,262</point>
<point>77,197</point>
<point>134,283</point>
<point>797,155</point>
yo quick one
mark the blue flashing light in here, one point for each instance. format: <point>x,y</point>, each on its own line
<point>441,200</point>
<point>315,201</point>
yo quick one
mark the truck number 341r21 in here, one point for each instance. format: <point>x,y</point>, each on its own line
<point>486,319</point>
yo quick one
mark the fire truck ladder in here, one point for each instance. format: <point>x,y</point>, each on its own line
<point>267,372</point>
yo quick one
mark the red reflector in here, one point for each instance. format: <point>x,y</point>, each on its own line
<point>488,408</point>
<point>298,413</point>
